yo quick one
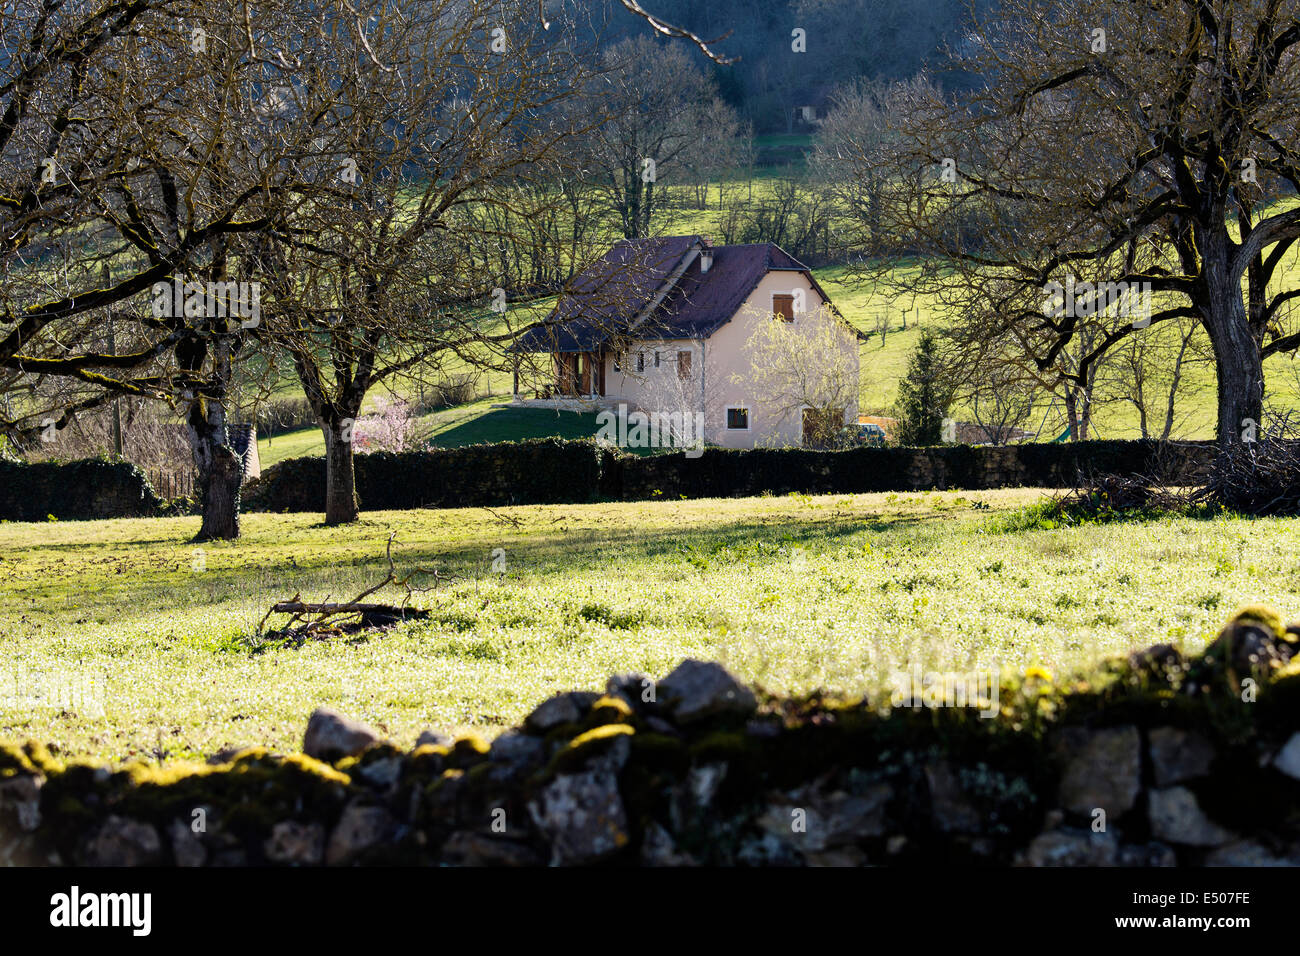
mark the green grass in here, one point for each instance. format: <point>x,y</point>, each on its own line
<point>477,422</point>
<point>487,421</point>
<point>295,444</point>
<point>794,592</point>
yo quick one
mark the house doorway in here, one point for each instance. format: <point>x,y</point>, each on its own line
<point>579,374</point>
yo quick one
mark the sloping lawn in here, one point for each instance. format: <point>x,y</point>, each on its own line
<point>487,422</point>
<point>120,638</point>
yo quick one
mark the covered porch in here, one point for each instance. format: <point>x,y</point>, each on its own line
<point>574,376</point>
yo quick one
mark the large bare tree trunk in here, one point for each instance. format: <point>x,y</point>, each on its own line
<point>1241,383</point>
<point>220,471</point>
<point>340,476</point>
<point>1237,357</point>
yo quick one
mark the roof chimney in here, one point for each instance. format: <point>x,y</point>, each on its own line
<point>706,260</point>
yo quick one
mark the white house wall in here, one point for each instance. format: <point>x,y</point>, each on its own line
<point>729,367</point>
<point>728,371</point>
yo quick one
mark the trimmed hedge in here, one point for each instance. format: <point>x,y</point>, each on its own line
<point>75,491</point>
<point>542,471</point>
<point>553,471</point>
<point>723,473</point>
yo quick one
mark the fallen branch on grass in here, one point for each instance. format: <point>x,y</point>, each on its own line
<point>299,607</point>
<point>317,620</point>
<point>505,519</point>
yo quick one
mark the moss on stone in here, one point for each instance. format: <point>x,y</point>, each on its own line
<point>245,796</point>
<point>468,750</point>
<point>561,734</point>
<point>428,760</point>
<point>609,710</point>
<point>39,754</point>
<point>1264,615</point>
<point>588,745</point>
<point>14,761</point>
<point>381,750</point>
<point>1005,764</point>
<point>722,746</point>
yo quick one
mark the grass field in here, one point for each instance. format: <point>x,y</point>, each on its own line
<point>120,639</point>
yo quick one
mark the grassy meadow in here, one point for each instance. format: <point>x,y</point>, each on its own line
<point>121,639</point>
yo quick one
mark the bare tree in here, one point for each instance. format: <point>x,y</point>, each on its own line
<point>854,148</point>
<point>1185,113</point>
<point>1001,402</point>
<point>455,106</point>
<point>1150,373</point>
<point>806,371</point>
<point>716,153</point>
<point>659,108</point>
<point>143,142</point>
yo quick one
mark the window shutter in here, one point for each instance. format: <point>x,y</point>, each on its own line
<point>783,307</point>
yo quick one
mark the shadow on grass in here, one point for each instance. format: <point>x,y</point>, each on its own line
<point>517,424</point>
<point>317,570</point>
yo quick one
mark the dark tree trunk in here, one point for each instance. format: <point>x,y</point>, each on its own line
<point>1071,413</point>
<point>1241,383</point>
<point>1238,361</point>
<point>220,472</point>
<point>340,476</point>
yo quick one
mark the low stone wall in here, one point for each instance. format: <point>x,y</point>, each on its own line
<point>1150,760</point>
<point>75,491</point>
<point>552,471</point>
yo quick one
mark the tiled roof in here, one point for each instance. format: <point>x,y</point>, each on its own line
<point>608,299</point>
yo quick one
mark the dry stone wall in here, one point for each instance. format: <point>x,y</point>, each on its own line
<point>1149,760</point>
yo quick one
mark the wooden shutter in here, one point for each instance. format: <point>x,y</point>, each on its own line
<point>783,307</point>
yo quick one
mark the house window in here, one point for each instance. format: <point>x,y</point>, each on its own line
<point>640,361</point>
<point>618,362</point>
<point>783,307</point>
<point>738,419</point>
<point>684,365</point>
<point>656,360</point>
